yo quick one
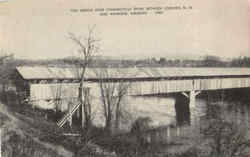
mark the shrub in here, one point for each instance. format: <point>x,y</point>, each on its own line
<point>92,150</point>
<point>25,146</point>
<point>139,128</point>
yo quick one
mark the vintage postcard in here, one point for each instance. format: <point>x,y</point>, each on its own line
<point>163,78</point>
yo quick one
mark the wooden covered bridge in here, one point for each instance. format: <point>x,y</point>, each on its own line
<point>43,84</point>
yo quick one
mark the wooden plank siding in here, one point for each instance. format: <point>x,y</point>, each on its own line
<point>173,86</point>
<point>53,96</point>
<point>45,86</point>
<point>66,91</point>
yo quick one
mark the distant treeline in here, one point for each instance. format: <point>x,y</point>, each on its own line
<point>207,61</point>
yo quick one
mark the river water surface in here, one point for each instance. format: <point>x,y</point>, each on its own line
<point>174,113</point>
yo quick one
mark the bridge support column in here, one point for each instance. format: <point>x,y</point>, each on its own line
<point>191,96</point>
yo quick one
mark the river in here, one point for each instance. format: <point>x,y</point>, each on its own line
<point>173,113</point>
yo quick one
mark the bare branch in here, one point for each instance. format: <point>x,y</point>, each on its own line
<point>112,94</point>
<point>86,51</point>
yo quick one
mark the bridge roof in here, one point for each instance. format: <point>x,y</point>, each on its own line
<point>32,73</point>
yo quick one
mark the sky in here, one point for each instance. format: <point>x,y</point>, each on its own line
<point>39,29</point>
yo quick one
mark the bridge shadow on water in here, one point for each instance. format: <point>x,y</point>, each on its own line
<point>233,103</point>
<point>242,94</point>
<point>182,110</point>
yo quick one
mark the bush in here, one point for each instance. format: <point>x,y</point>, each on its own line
<point>3,118</point>
<point>139,128</point>
<point>25,146</point>
<point>92,150</point>
<point>140,125</point>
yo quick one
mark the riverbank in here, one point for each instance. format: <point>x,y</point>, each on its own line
<point>20,139</point>
<point>28,132</point>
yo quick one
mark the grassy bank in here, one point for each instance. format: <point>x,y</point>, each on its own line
<point>28,132</point>
<point>24,146</point>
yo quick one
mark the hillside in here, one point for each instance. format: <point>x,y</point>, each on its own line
<point>20,138</point>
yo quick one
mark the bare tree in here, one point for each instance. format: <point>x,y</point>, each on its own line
<point>5,70</point>
<point>112,95</point>
<point>87,48</point>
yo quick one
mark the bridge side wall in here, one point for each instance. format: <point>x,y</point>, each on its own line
<point>54,95</point>
<point>173,86</point>
<point>44,95</point>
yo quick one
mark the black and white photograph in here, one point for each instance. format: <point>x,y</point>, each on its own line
<point>92,78</point>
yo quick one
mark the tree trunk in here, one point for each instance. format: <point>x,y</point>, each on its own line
<point>87,109</point>
<point>80,98</point>
<point>117,116</point>
<point>108,123</point>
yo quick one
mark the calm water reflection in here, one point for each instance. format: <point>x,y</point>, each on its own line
<point>174,113</point>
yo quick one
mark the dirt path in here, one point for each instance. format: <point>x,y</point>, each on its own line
<point>20,127</point>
